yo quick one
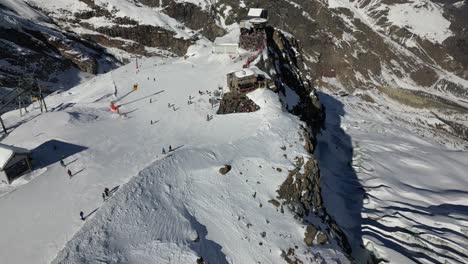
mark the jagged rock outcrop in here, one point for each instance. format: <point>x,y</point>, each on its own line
<point>225,169</point>
<point>45,52</point>
<point>236,103</point>
<point>149,36</point>
<point>361,47</point>
<point>309,235</point>
<point>301,191</point>
<point>195,18</point>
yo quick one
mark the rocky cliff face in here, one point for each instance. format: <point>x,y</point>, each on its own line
<point>36,48</point>
<point>360,42</point>
<point>301,191</point>
<point>361,46</point>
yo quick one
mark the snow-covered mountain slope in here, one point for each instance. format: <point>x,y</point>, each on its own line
<point>355,43</point>
<point>423,18</point>
<point>62,43</point>
<point>148,28</point>
<point>175,207</point>
<point>392,186</point>
<point>33,46</point>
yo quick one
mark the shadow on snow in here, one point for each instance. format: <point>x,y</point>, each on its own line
<point>344,195</point>
<point>53,151</point>
<point>342,192</point>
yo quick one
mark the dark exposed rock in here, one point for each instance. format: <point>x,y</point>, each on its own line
<point>150,36</point>
<point>322,238</point>
<point>195,18</point>
<point>233,103</point>
<point>299,190</point>
<point>274,202</point>
<point>224,170</point>
<point>290,257</point>
<point>309,235</point>
<point>107,41</point>
<point>425,76</point>
<point>291,73</point>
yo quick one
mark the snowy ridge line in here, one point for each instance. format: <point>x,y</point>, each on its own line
<point>158,215</point>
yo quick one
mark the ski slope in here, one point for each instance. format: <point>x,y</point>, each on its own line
<point>169,208</point>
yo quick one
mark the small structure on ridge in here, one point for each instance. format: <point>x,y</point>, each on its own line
<point>252,29</point>
<point>14,162</point>
<point>225,45</point>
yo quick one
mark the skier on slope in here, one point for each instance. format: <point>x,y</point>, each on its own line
<point>82,215</point>
<point>106,191</point>
<point>170,148</point>
<point>69,173</point>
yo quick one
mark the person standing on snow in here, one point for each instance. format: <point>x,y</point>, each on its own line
<point>163,151</point>
<point>62,163</point>
<point>170,148</point>
<point>106,191</point>
<point>82,215</point>
<point>69,173</point>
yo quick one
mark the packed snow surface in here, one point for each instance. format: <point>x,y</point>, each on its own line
<point>164,208</point>
<point>403,195</point>
<point>422,18</point>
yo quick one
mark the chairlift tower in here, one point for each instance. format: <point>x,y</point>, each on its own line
<point>18,96</point>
